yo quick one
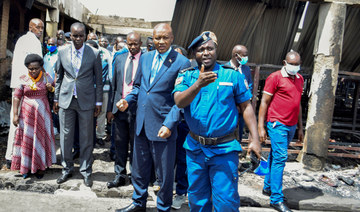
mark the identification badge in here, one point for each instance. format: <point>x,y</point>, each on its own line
<point>226,83</point>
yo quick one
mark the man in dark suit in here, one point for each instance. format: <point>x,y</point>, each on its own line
<point>78,94</point>
<point>125,69</point>
<point>156,119</point>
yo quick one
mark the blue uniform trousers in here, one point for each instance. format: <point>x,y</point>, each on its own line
<point>213,178</point>
<point>180,175</point>
<point>280,136</point>
<point>147,152</point>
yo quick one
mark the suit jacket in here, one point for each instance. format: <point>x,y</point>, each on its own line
<point>246,72</point>
<point>89,87</point>
<point>155,104</point>
<point>116,90</point>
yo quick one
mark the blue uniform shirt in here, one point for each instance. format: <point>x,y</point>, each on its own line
<point>213,111</point>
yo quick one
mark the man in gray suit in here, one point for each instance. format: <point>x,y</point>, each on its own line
<point>78,94</point>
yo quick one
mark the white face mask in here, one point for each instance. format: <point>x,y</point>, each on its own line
<point>292,69</point>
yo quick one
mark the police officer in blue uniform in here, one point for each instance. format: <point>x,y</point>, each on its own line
<point>209,96</point>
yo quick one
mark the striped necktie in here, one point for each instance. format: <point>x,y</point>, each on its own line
<point>76,62</point>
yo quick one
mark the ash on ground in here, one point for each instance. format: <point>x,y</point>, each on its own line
<point>340,177</point>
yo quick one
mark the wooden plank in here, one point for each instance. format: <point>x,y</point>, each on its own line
<point>255,87</point>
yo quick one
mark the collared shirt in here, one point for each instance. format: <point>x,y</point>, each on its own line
<point>49,62</point>
<point>73,55</point>
<point>26,44</point>
<point>213,111</point>
<point>163,57</point>
<point>286,97</point>
<point>244,70</point>
<point>127,88</point>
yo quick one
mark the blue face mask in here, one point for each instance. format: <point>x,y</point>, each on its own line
<point>51,48</point>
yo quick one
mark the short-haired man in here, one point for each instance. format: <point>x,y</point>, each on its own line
<point>106,61</point>
<point>125,70</point>
<point>239,58</point>
<point>78,94</point>
<point>156,120</point>
<point>210,96</point>
<point>26,44</point>
<point>280,107</point>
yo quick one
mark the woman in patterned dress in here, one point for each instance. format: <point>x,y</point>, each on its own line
<point>34,145</point>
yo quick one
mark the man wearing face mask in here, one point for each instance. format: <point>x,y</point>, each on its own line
<point>239,57</point>
<point>280,107</point>
<point>51,57</point>
<point>49,65</point>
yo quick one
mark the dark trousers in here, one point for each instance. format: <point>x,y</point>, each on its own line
<point>180,175</point>
<point>162,155</point>
<point>123,136</point>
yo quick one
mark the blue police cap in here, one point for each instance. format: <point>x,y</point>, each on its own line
<point>203,38</point>
<point>68,34</point>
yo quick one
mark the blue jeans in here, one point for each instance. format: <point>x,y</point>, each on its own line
<point>215,179</point>
<point>280,136</point>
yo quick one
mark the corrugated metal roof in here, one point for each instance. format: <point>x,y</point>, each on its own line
<point>266,27</point>
<point>350,60</point>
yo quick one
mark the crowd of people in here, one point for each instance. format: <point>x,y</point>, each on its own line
<point>171,117</point>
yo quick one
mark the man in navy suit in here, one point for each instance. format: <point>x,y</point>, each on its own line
<point>125,69</point>
<point>156,119</point>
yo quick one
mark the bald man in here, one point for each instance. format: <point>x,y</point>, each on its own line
<point>280,108</point>
<point>26,44</point>
<point>239,58</point>
<point>156,120</point>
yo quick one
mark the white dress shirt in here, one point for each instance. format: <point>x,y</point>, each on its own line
<point>127,88</point>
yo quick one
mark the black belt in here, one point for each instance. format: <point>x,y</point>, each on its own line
<point>217,140</point>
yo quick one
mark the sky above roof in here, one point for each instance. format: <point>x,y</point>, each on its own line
<point>150,10</point>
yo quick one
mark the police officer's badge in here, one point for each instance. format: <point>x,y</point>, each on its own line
<point>246,84</point>
<point>178,80</point>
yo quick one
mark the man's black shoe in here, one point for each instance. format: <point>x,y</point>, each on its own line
<point>100,141</point>
<point>116,183</point>
<point>76,155</point>
<point>266,192</point>
<point>88,181</point>
<point>132,208</point>
<point>282,207</point>
<point>63,178</point>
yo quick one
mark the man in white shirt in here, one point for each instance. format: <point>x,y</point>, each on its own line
<point>26,44</point>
